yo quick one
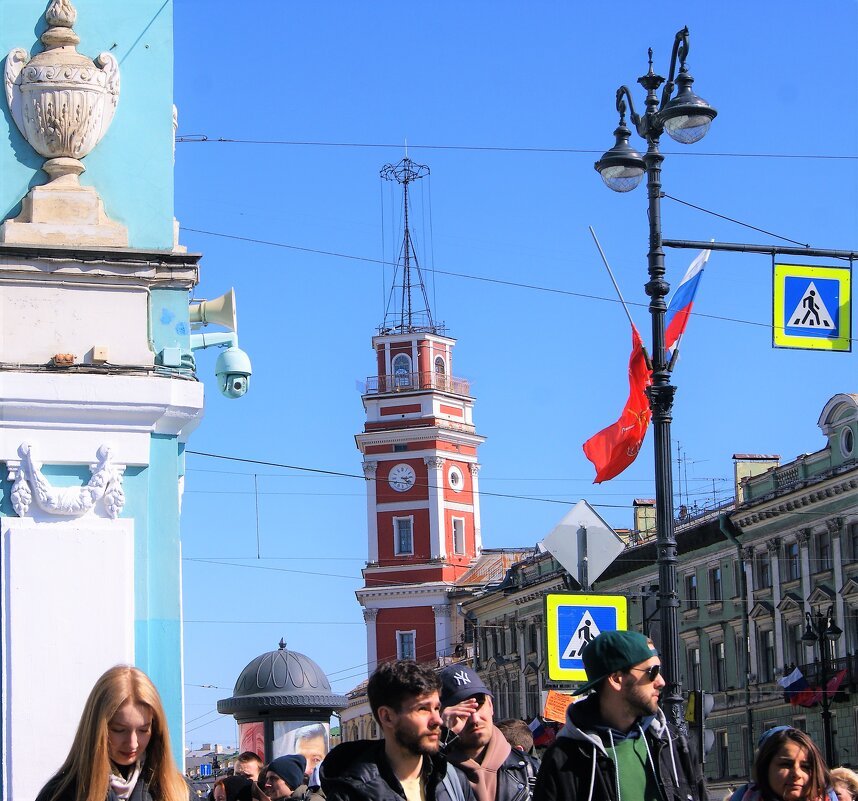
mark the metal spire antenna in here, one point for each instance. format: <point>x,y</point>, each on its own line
<point>401,316</point>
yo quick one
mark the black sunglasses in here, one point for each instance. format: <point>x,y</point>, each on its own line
<point>651,672</point>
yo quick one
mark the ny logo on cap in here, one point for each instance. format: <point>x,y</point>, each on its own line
<point>462,678</point>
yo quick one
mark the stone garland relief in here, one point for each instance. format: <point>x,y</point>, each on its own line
<point>30,484</point>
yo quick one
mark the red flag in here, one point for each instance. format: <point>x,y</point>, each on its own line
<point>810,697</point>
<point>614,448</point>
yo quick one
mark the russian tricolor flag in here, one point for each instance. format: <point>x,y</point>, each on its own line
<point>676,317</point>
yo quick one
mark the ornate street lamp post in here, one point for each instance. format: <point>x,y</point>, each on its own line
<point>823,630</point>
<point>686,118</point>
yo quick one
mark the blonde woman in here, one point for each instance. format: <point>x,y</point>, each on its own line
<point>845,784</point>
<point>121,751</point>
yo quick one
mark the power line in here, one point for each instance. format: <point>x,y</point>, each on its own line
<point>205,139</point>
<point>485,279</point>
<point>342,474</point>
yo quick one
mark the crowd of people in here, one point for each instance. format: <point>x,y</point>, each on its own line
<point>440,743</point>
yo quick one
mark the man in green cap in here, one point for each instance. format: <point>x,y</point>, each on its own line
<point>616,744</point>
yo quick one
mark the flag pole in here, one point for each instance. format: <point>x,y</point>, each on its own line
<point>611,274</point>
<point>619,293</point>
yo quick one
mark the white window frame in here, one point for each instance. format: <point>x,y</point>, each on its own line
<point>401,380</point>
<point>396,549</point>
<point>400,653</point>
<point>459,551</point>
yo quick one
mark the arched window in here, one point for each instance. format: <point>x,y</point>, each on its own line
<point>440,367</point>
<point>401,371</point>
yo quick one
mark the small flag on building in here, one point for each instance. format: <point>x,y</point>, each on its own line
<point>797,691</point>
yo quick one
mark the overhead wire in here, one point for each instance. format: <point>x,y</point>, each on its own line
<point>481,278</point>
<point>205,139</point>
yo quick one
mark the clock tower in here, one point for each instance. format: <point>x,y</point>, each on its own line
<point>419,449</point>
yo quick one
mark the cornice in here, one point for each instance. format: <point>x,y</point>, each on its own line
<point>763,511</point>
<point>417,434</point>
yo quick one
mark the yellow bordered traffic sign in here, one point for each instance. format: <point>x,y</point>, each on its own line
<point>571,621</point>
<point>812,307</point>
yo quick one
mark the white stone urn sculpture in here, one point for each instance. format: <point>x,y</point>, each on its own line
<point>63,104</point>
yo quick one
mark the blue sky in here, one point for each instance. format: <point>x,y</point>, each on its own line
<point>517,102</point>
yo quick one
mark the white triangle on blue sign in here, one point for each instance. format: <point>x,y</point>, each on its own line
<point>811,311</point>
<point>585,631</point>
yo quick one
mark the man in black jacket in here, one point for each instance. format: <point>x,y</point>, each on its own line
<point>616,744</point>
<point>475,745</point>
<point>406,764</point>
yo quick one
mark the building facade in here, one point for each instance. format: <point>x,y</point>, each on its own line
<point>748,573</point>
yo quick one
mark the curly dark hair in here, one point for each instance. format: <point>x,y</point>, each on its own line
<point>393,682</point>
<point>771,747</point>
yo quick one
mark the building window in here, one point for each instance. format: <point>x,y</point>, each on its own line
<point>534,636</point>
<point>823,551</point>
<point>401,371</point>
<point>851,626</point>
<point>847,442</point>
<point>741,656</point>
<point>795,646</point>
<point>440,367</point>
<point>800,723</point>
<point>746,768</point>
<point>715,585</point>
<point>719,666</point>
<point>722,753</point>
<point>764,573</point>
<point>458,535</point>
<point>691,591</point>
<point>405,644</point>
<point>767,656</point>
<point>403,535</point>
<point>693,656</point>
<point>853,541</point>
<point>792,561</point>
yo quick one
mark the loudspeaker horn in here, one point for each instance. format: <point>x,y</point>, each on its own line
<point>217,310</point>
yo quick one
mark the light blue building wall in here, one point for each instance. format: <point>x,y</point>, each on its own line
<point>132,167</point>
<point>132,170</point>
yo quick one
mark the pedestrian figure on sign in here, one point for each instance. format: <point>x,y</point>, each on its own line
<point>812,308</point>
<point>585,635</point>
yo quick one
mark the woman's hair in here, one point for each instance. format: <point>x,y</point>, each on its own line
<point>771,746</point>
<point>87,767</point>
<point>847,777</point>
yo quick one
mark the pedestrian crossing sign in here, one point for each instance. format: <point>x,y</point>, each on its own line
<point>812,307</point>
<point>571,622</point>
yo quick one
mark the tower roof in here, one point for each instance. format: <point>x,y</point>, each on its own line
<point>408,310</point>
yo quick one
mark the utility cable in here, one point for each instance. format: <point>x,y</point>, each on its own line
<point>484,279</point>
<point>733,220</point>
<point>205,139</point>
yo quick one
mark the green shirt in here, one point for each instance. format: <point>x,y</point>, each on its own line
<point>636,777</point>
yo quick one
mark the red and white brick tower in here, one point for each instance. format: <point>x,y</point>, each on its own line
<point>420,459</point>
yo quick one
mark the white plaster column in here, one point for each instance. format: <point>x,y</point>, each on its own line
<point>835,526</point>
<point>521,628</point>
<point>387,369</point>
<point>748,566</point>
<point>803,538</point>
<point>369,470</point>
<point>437,524</point>
<point>774,548</point>
<point>474,470</point>
<point>443,630</point>
<point>540,659</point>
<point>415,367</point>
<point>369,616</point>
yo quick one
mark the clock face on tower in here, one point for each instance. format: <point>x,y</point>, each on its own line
<point>401,477</point>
